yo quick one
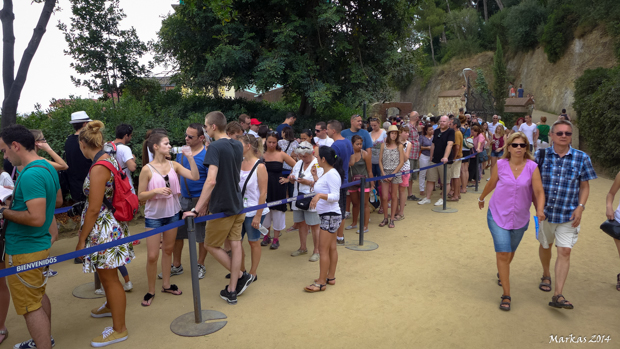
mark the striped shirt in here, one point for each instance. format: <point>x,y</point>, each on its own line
<point>561,177</point>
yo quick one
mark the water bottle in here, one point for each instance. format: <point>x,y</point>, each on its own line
<point>373,196</point>
<point>263,231</point>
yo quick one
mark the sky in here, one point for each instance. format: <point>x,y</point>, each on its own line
<point>49,73</point>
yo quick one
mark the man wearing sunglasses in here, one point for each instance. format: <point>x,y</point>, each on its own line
<point>565,173</point>
<point>321,135</point>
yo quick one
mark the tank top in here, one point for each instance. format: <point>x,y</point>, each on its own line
<point>359,168</point>
<point>406,163</point>
<point>512,199</point>
<point>391,159</point>
<point>252,192</point>
<point>163,206</point>
<point>376,147</point>
<point>498,143</point>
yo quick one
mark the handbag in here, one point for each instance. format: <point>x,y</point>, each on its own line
<point>302,204</point>
<point>611,228</point>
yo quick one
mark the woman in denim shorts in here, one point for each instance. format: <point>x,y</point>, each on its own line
<point>326,203</point>
<point>159,186</point>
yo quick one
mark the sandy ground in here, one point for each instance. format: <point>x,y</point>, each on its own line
<point>430,284</point>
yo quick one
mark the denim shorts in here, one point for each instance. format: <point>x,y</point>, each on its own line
<point>505,240</point>
<point>160,222</point>
<point>496,154</point>
<point>247,228</point>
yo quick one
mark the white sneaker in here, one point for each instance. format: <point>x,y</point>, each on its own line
<point>202,271</point>
<point>128,286</point>
<point>347,215</point>
<point>439,202</point>
<point>424,201</point>
<point>488,179</point>
<point>100,292</point>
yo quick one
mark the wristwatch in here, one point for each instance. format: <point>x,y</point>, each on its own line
<point>193,210</point>
<point>582,205</point>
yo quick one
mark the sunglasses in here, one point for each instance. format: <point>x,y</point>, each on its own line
<point>517,145</point>
<point>560,134</point>
<point>167,180</point>
<point>317,131</point>
<point>188,136</point>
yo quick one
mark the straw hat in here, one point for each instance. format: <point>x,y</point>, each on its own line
<point>79,117</point>
<point>392,128</point>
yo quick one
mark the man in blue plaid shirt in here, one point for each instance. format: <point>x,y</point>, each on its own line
<point>566,173</point>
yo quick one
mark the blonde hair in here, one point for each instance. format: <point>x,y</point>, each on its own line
<point>518,135</point>
<point>38,135</point>
<point>253,142</point>
<point>500,130</point>
<point>92,134</point>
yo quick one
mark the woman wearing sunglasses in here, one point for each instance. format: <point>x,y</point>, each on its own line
<point>515,178</point>
<point>159,186</point>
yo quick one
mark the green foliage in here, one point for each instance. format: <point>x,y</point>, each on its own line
<point>101,50</point>
<point>493,28</point>
<point>460,49</point>
<point>558,32</point>
<point>597,101</point>
<point>522,23</point>
<point>499,74</point>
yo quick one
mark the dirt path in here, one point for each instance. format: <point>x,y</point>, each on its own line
<point>431,284</point>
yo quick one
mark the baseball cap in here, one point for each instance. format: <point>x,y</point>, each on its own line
<point>254,121</point>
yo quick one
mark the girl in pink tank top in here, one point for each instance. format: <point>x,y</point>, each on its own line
<point>159,186</point>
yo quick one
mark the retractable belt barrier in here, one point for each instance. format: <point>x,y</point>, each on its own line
<point>130,239</point>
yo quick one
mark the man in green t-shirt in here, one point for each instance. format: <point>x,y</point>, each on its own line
<point>36,194</point>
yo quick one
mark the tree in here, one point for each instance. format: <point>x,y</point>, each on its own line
<point>13,84</point>
<point>430,18</point>
<point>102,51</point>
<point>320,51</point>
<point>499,73</point>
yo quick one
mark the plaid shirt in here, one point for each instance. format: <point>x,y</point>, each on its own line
<point>561,177</point>
<point>414,138</point>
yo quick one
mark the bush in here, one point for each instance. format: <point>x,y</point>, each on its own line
<point>459,49</point>
<point>558,32</point>
<point>597,101</point>
<point>522,23</point>
<point>494,28</point>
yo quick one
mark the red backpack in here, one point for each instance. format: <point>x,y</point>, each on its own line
<point>124,203</point>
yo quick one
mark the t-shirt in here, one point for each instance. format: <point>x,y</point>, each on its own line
<point>440,140</point>
<point>33,183</point>
<point>520,93</point>
<point>492,127</point>
<point>425,142</point>
<point>458,142</point>
<point>280,128</point>
<point>344,150</point>
<point>251,132</point>
<point>195,187</point>
<point>123,154</point>
<point>348,134</point>
<point>226,154</point>
<point>528,131</point>
<point>5,180</point>
<point>321,142</point>
<point>78,168</point>
<point>543,132</point>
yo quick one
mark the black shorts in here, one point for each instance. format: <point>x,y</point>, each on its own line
<point>330,221</point>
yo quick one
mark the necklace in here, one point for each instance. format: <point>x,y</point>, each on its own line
<point>516,167</point>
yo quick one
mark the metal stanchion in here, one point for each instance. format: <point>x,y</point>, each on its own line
<point>477,174</point>
<point>87,291</point>
<point>364,245</point>
<point>193,324</point>
<point>446,181</point>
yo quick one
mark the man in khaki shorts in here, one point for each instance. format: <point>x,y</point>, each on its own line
<point>456,165</point>
<point>566,173</point>
<point>441,152</point>
<point>223,159</point>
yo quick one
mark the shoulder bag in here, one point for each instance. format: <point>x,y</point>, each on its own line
<point>302,204</point>
<point>611,228</point>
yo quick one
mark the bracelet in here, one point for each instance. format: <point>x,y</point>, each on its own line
<point>480,200</point>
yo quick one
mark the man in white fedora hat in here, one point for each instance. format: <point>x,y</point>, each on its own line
<point>78,164</point>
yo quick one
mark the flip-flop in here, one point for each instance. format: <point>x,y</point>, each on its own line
<point>147,298</point>
<point>391,225</point>
<point>310,290</point>
<point>384,222</point>
<point>173,290</point>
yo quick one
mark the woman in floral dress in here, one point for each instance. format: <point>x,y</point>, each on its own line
<point>99,226</point>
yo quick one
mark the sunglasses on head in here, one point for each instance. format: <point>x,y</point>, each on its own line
<point>517,145</point>
<point>167,180</point>
<point>560,133</point>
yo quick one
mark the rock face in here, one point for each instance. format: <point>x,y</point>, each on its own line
<point>551,84</point>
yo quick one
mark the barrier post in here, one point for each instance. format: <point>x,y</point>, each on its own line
<point>362,206</point>
<point>477,176</point>
<point>183,325</point>
<point>446,181</point>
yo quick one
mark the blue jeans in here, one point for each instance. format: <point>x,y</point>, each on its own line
<point>497,154</point>
<point>376,170</point>
<point>505,240</point>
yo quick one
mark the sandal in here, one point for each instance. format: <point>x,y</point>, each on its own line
<point>618,284</point>
<point>562,304</point>
<point>544,284</point>
<point>453,199</point>
<point>499,282</point>
<point>391,224</point>
<point>399,217</point>
<point>172,290</point>
<point>5,333</point>
<point>312,290</point>
<point>505,305</point>
<point>148,299</point>
<point>380,210</point>
<point>331,282</point>
<point>384,222</point>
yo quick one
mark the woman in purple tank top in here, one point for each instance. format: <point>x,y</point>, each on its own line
<point>514,179</point>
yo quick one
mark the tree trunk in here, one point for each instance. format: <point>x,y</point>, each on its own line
<point>9,105</point>
<point>8,48</point>
<point>448,3</point>
<point>500,4</point>
<point>305,108</point>
<point>486,12</point>
<point>430,35</point>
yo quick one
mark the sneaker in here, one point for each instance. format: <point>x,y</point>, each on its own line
<point>365,231</point>
<point>254,278</point>
<point>128,286</point>
<point>439,202</point>
<point>299,253</point>
<point>102,311</point>
<point>29,344</point>
<point>275,244</point>
<point>100,292</point>
<point>173,271</point>
<point>230,297</point>
<point>201,271</point>
<point>109,336</point>
<point>315,257</point>
<point>424,201</point>
<point>347,215</point>
<point>242,284</point>
<point>266,241</point>
<point>340,242</point>
<point>413,198</point>
<point>50,273</point>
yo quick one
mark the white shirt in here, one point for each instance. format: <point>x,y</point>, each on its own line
<point>321,142</point>
<point>251,132</point>
<point>529,131</point>
<point>492,127</point>
<point>5,180</point>
<point>252,191</point>
<point>123,154</point>
<point>329,183</point>
<point>305,174</point>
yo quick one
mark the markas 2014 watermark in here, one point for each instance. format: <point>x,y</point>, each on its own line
<point>595,338</point>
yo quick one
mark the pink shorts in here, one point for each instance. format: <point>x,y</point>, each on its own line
<point>367,190</point>
<point>405,182</point>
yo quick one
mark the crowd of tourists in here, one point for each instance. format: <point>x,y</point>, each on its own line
<point>225,167</point>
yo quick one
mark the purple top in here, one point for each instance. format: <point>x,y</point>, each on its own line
<point>510,204</point>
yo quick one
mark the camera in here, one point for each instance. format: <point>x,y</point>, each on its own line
<point>76,209</point>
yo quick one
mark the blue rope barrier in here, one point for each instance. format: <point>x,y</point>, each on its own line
<point>144,235</point>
